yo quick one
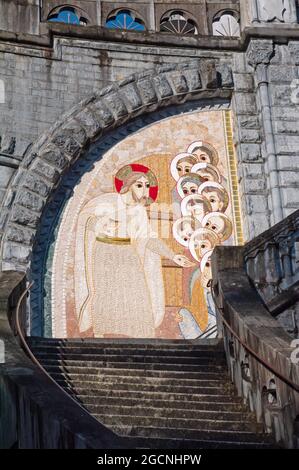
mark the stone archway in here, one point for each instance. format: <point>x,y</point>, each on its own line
<point>50,159</point>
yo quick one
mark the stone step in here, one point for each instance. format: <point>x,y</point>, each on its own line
<point>213,344</point>
<point>137,361</point>
<point>201,434</point>
<point>224,390</point>
<point>157,395</point>
<point>96,368</point>
<point>125,351</point>
<point>164,443</point>
<point>169,411</point>
<point>96,355</point>
<point>205,404</point>
<point>166,389</point>
<point>177,423</point>
<point>135,381</point>
<point>143,373</point>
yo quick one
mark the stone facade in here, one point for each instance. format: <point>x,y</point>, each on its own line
<point>57,79</point>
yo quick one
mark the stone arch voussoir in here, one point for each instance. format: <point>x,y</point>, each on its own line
<point>56,150</point>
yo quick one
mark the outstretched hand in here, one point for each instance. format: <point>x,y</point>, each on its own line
<point>183,261</point>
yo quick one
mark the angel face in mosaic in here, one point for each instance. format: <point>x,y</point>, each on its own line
<point>207,172</point>
<point>125,288</point>
<point>196,206</point>
<point>181,165</point>
<point>220,224</point>
<point>202,241</point>
<point>185,165</point>
<point>189,184</point>
<point>183,229</point>
<point>216,195</point>
<point>204,152</point>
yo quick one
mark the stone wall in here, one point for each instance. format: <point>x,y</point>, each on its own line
<point>266,105</point>
<point>42,81</point>
<point>29,16</point>
<point>47,71</point>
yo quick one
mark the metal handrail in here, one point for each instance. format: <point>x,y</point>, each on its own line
<point>264,363</point>
<point>36,361</point>
<point>208,332</point>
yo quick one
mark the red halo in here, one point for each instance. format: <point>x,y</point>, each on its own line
<point>136,167</point>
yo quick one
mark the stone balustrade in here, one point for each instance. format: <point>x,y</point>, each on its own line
<point>251,284</point>
<point>272,264</point>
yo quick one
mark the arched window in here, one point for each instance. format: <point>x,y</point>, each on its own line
<point>178,22</point>
<point>68,15</point>
<point>124,19</point>
<point>226,23</point>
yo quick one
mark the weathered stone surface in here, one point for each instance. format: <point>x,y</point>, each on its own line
<point>69,139</point>
<point>260,51</point>
<point>289,178</point>
<point>257,204</point>
<point>245,103</point>
<point>54,156</point>
<point>286,162</point>
<point>252,170</point>
<point>47,171</point>
<point>249,135</point>
<point>287,144</point>
<point>255,186</point>
<point>193,79</point>
<point>22,216</point>
<point>209,75</point>
<point>290,198</point>
<point>37,184</point>
<point>277,73</point>
<point>102,112</point>
<point>88,120</point>
<point>131,96</point>
<point>20,235</point>
<point>6,174</point>
<point>178,81</point>
<point>250,152</point>
<point>243,82</point>
<point>249,122</point>
<point>162,86</point>
<point>281,95</point>
<point>30,201</point>
<point>286,127</point>
<point>116,105</point>
<point>147,91</point>
<point>15,256</point>
<point>294,51</point>
<point>225,75</point>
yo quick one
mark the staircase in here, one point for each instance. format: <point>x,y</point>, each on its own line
<point>156,394</point>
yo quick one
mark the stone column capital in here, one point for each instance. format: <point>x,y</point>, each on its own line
<point>260,51</point>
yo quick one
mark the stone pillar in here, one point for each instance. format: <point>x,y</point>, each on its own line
<point>20,16</point>
<point>259,54</point>
<point>248,139</point>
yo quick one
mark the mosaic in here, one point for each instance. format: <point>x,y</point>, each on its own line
<point>133,252</point>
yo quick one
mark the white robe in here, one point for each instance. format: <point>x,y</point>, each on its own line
<point>121,289</point>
